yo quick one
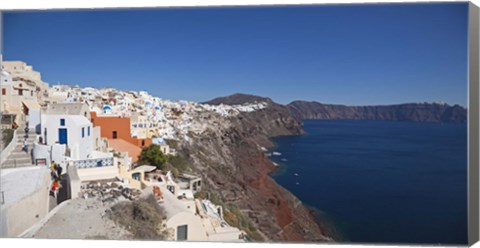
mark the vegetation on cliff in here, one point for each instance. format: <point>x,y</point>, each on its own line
<point>152,155</point>
<point>143,218</point>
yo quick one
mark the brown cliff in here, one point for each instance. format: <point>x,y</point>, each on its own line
<point>233,165</point>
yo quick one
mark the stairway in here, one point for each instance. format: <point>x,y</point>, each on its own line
<point>18,157</point>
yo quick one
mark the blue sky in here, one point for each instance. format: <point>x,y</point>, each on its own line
<point>350,54</point>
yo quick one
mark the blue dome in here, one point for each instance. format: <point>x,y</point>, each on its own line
<point>159,141</point>
<point>106,107</point>
<point>157,108</point>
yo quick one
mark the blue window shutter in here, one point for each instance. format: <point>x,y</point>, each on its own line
<point>88,131</point>
<point>83,132</point>
<point>62,122</point>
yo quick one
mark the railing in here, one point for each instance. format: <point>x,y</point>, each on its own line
<point>92,163</point>
<point>5,152</point>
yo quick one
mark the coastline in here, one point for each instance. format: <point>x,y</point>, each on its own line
<point>324,224</point>
<point>347,222</point>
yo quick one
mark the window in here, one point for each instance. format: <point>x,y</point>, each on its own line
<point>114,134</point>
<point>83,132</point>
<point>62,122</point>
<point>20,92</point>
<point>182,232</point>
<point>4,91</point>
<point>143,142</point>
<point>88,131</point>
<point>136,176</point>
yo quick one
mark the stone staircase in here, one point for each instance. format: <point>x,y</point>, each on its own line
<point>18,157</point>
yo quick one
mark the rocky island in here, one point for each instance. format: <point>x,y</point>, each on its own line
<point>419,112</point>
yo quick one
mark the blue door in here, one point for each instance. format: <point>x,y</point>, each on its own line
<point>62,136</point>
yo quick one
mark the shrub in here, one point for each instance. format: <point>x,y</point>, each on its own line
<point>143,218</point>
<point>152,155</point>
<point>7,136</point>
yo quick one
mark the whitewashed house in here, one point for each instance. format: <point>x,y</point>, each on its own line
<point>69,139</point>
<point>75,131</point>
<point>14,93</point>
<point>6,86</point>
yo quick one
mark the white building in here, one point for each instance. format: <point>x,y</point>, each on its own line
<point>69,141</point>
<point>18,94</point>
<point>14,93</point>
<point>23,72</point>
<point>216,227</point>
<point>75,131</point>
<point>6,86</point>
<point>181,219</point>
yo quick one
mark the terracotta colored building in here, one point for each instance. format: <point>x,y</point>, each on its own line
<point>124,146</point>
<point>116,127</point>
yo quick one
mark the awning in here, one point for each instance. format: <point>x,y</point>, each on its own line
<point>145,168</point>
<point>31,104</point>
<point>13,109</point>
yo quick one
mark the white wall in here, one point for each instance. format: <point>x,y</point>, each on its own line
<point>21,215</point>
<point>34,120</point>
<point>195,232</point>
<point>5,83</point>
<point>74,181</point>
<point>98,173</point>
<point>80,147</point>
<point>54,152</point>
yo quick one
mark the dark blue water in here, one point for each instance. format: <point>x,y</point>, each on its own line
<point>382,182</point>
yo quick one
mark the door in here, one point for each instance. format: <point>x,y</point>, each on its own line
<point>182,232</point>
<point>62,136</point>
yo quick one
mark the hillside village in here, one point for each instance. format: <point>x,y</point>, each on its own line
<point>66,146</point>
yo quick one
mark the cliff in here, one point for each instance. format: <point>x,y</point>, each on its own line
<point>420,112</point>
<point>234,166</point>
<point>239,99</point>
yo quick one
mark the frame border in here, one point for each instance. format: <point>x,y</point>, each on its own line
<point>473,124</point>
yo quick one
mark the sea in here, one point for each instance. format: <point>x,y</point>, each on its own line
<point>381,182</point>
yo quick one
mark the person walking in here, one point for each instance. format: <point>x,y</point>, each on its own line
<point>25,146</point>
<point>26,131</point>
<point>55,187</point>
<point>58,169</point>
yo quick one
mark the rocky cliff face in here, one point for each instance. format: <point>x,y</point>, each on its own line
<point>421,112</point>
<point>233,164</point>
